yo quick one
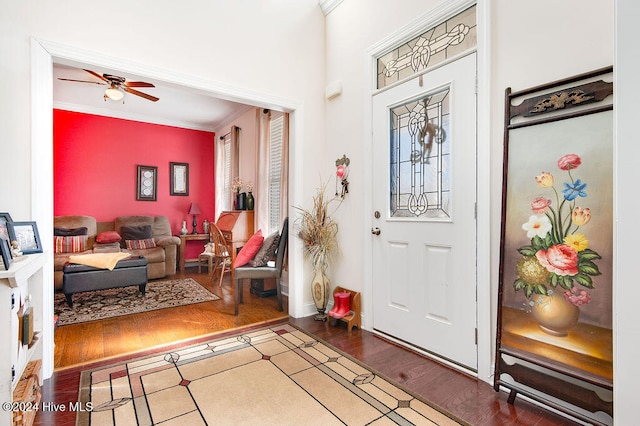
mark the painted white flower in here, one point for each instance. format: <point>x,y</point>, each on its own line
<point>538,225</point>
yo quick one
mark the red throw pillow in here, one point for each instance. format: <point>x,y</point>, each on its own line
<point>249,249</point>
<point>108,237</point>
<point>75,244</point>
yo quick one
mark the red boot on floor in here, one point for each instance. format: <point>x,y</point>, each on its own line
<point>344,301</point>
<point>336,304</point>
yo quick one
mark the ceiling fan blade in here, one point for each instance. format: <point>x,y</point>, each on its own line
<point>143,95</point>
<point>82,81</point>
<point>95,74</point>
<point>138,84</point>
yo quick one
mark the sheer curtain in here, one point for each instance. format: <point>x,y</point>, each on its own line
<point>234,168</point>
<point>226,166</point>
<point>220,161</point>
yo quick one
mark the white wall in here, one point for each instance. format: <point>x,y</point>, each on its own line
<point>626,369</point>
<point>253,45</point>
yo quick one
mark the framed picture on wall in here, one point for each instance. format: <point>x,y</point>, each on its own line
<point>179,178</point>
<point>147,188</point>
<point>6,216</point>
<point>27,236</point>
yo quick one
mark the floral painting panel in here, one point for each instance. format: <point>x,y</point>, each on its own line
<point>560,185</point>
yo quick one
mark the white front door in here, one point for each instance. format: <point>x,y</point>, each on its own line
<point>424,194</point>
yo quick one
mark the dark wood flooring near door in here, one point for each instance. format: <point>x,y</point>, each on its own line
<point>79,347</point>
<point>474,401</point>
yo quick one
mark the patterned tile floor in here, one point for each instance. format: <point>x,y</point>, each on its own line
<point>277,375</point>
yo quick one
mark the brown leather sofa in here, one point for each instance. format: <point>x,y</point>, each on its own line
<point>161,260</point>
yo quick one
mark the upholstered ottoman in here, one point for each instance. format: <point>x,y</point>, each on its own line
<point>127,272</point>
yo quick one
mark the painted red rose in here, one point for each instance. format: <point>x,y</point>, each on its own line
<point>559,259</point>
<point>569,162</point>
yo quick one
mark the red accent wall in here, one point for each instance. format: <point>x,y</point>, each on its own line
<point>95,168</point>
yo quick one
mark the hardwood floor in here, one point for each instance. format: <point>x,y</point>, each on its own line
<point>79,345</point>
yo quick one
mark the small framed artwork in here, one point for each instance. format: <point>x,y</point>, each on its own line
<point>5,250</point>
<point>4,228</point>
<point>147,183</point>
<point>27,236</point>
<point>179,178</point>
<point>6,216</point>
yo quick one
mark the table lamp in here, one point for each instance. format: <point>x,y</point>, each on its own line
<point>194,210</point>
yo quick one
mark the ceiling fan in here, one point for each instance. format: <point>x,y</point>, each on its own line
<point>117,86</point>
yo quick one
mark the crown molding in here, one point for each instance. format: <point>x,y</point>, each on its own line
<point>132,117</point>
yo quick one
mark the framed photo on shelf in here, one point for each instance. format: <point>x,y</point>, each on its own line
<point>6,216</point>
<point>147,188</point>
<point>4,228</point>
<point>179,178</point>
<point>5,250</point>
<point>27,236</point>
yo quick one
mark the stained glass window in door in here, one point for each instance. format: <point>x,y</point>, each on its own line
<point>420,157</point>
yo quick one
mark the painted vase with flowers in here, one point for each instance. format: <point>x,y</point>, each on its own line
<point>556,268</point>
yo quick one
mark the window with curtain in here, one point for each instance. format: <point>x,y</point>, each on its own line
<point>228,205</point>
<point>226,166</point>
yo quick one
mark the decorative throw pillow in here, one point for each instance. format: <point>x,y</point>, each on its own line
<point>267,250</point>
<point>249,249</point>
<point>74,244</point>
<point>141,232</point>
<point>108,237</point>
<point>70,232</point>
<point>145,243</point>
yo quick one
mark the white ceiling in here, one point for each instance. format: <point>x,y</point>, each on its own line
<point>178,106</point>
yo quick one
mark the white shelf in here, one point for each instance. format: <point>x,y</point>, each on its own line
<point>25,277</point>
<point>22,269</point>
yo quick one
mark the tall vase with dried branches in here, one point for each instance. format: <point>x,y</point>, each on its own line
<point>319,234</point>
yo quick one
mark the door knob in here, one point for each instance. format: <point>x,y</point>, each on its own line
<point>375,231</point>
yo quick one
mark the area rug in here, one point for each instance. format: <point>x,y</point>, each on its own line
<point>101,304</point>
<point>273,376</point>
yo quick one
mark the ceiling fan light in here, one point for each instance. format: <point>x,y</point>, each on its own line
<point>113,93</point>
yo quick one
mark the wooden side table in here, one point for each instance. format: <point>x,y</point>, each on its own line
<point>183,247</point>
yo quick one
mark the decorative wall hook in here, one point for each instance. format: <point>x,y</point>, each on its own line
<point>342,172</point>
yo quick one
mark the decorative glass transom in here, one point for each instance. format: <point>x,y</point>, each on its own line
<point>435,45</point>
<point>420,158</point>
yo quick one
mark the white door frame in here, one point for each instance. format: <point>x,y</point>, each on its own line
<point>485,308</point>
<point>43,54</point>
